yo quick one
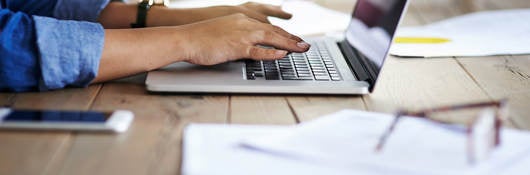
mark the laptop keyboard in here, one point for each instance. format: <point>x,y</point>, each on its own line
<point>314,65</point>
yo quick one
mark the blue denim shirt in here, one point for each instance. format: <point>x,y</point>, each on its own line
<point>49,44</point>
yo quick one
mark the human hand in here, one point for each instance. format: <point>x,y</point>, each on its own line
<point>235,37</point>
<point>254,10</point>
<point>170,17</point>
<point>120,15</point>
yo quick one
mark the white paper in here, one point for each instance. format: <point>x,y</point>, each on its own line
<point>505,32</point>
<point>312,19</point>
<point>308,17</point>
<point>211,149</point>
<point>346,140</point>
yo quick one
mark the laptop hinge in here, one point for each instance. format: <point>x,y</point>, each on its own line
<point>354,60</point>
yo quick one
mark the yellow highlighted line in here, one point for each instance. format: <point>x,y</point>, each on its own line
<point>420,40</point>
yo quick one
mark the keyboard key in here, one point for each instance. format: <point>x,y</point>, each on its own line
<point>297,54</point>
<point>258,74</point>
<point>250,77</point>
<point>270,71</point>
<point>302,67</point>
<point>288,75</point>
<point>335,78</point>
<point>305,78</point>
<point>330,66</point>
<point>317,66</point>
<point>303,71</point>
<point>292,71</point>
<point>289,78</point>
<point>316,71</point>
<point>300,64</point>
<point>305,66</point>
<point>321,78</point>
<point>305,75</point>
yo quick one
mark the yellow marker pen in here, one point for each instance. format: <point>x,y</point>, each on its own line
<point>420,40</point>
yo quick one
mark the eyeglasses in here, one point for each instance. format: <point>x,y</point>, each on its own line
<point>483,132</point>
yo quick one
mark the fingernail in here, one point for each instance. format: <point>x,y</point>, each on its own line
<point>302,45</point>
<point>281,53</point>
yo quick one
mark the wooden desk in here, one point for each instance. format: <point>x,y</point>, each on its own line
<point>153,144</point>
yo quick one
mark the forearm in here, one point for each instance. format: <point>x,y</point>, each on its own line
<point>130,51</point>
<point>120,15</point>
<point>127,52</point>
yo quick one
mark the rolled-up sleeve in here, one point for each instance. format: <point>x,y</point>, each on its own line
<point>81,10</point>
<point>19,70</point>
<point>49,44</point>
<point>69,52</point>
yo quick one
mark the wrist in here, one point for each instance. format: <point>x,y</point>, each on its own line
<point>158,16</point>
<point>168,43</point>
<point>164,45</point>
<point>181,46</point>
<point>143,9</point>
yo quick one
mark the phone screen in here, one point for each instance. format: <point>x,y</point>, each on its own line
<point>56,116</point>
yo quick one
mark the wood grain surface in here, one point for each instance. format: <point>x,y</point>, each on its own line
<point>152,146</point>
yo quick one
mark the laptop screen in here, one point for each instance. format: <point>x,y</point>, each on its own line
<point>372,28</point>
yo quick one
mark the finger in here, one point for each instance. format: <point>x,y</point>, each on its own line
<point>259,53</point>
<point>276,11</point>
<point>285,33</point>
<point>255,15</point>
<point>276,40</point>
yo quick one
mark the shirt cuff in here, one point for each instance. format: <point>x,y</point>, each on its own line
<point>70,52</point>
<point>81,10</point>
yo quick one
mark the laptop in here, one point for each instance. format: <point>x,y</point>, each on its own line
<point>350,66</point>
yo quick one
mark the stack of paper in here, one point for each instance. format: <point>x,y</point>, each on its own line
<point>308,17</point>
<point>488,33</point>
<point>343,143</point>
<point>217,150</point>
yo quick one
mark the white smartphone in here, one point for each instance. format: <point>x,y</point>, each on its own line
<point>117,121</point>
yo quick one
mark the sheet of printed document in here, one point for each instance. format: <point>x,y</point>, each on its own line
<point>347,139</point>
<point>308,19</point>
<point>213,149</point>
<point>486,33</point>
<point>342,143</point>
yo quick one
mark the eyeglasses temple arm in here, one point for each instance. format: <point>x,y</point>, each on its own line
<point>386,134</point>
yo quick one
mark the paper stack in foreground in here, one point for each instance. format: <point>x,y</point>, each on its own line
<point>342,143</point>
